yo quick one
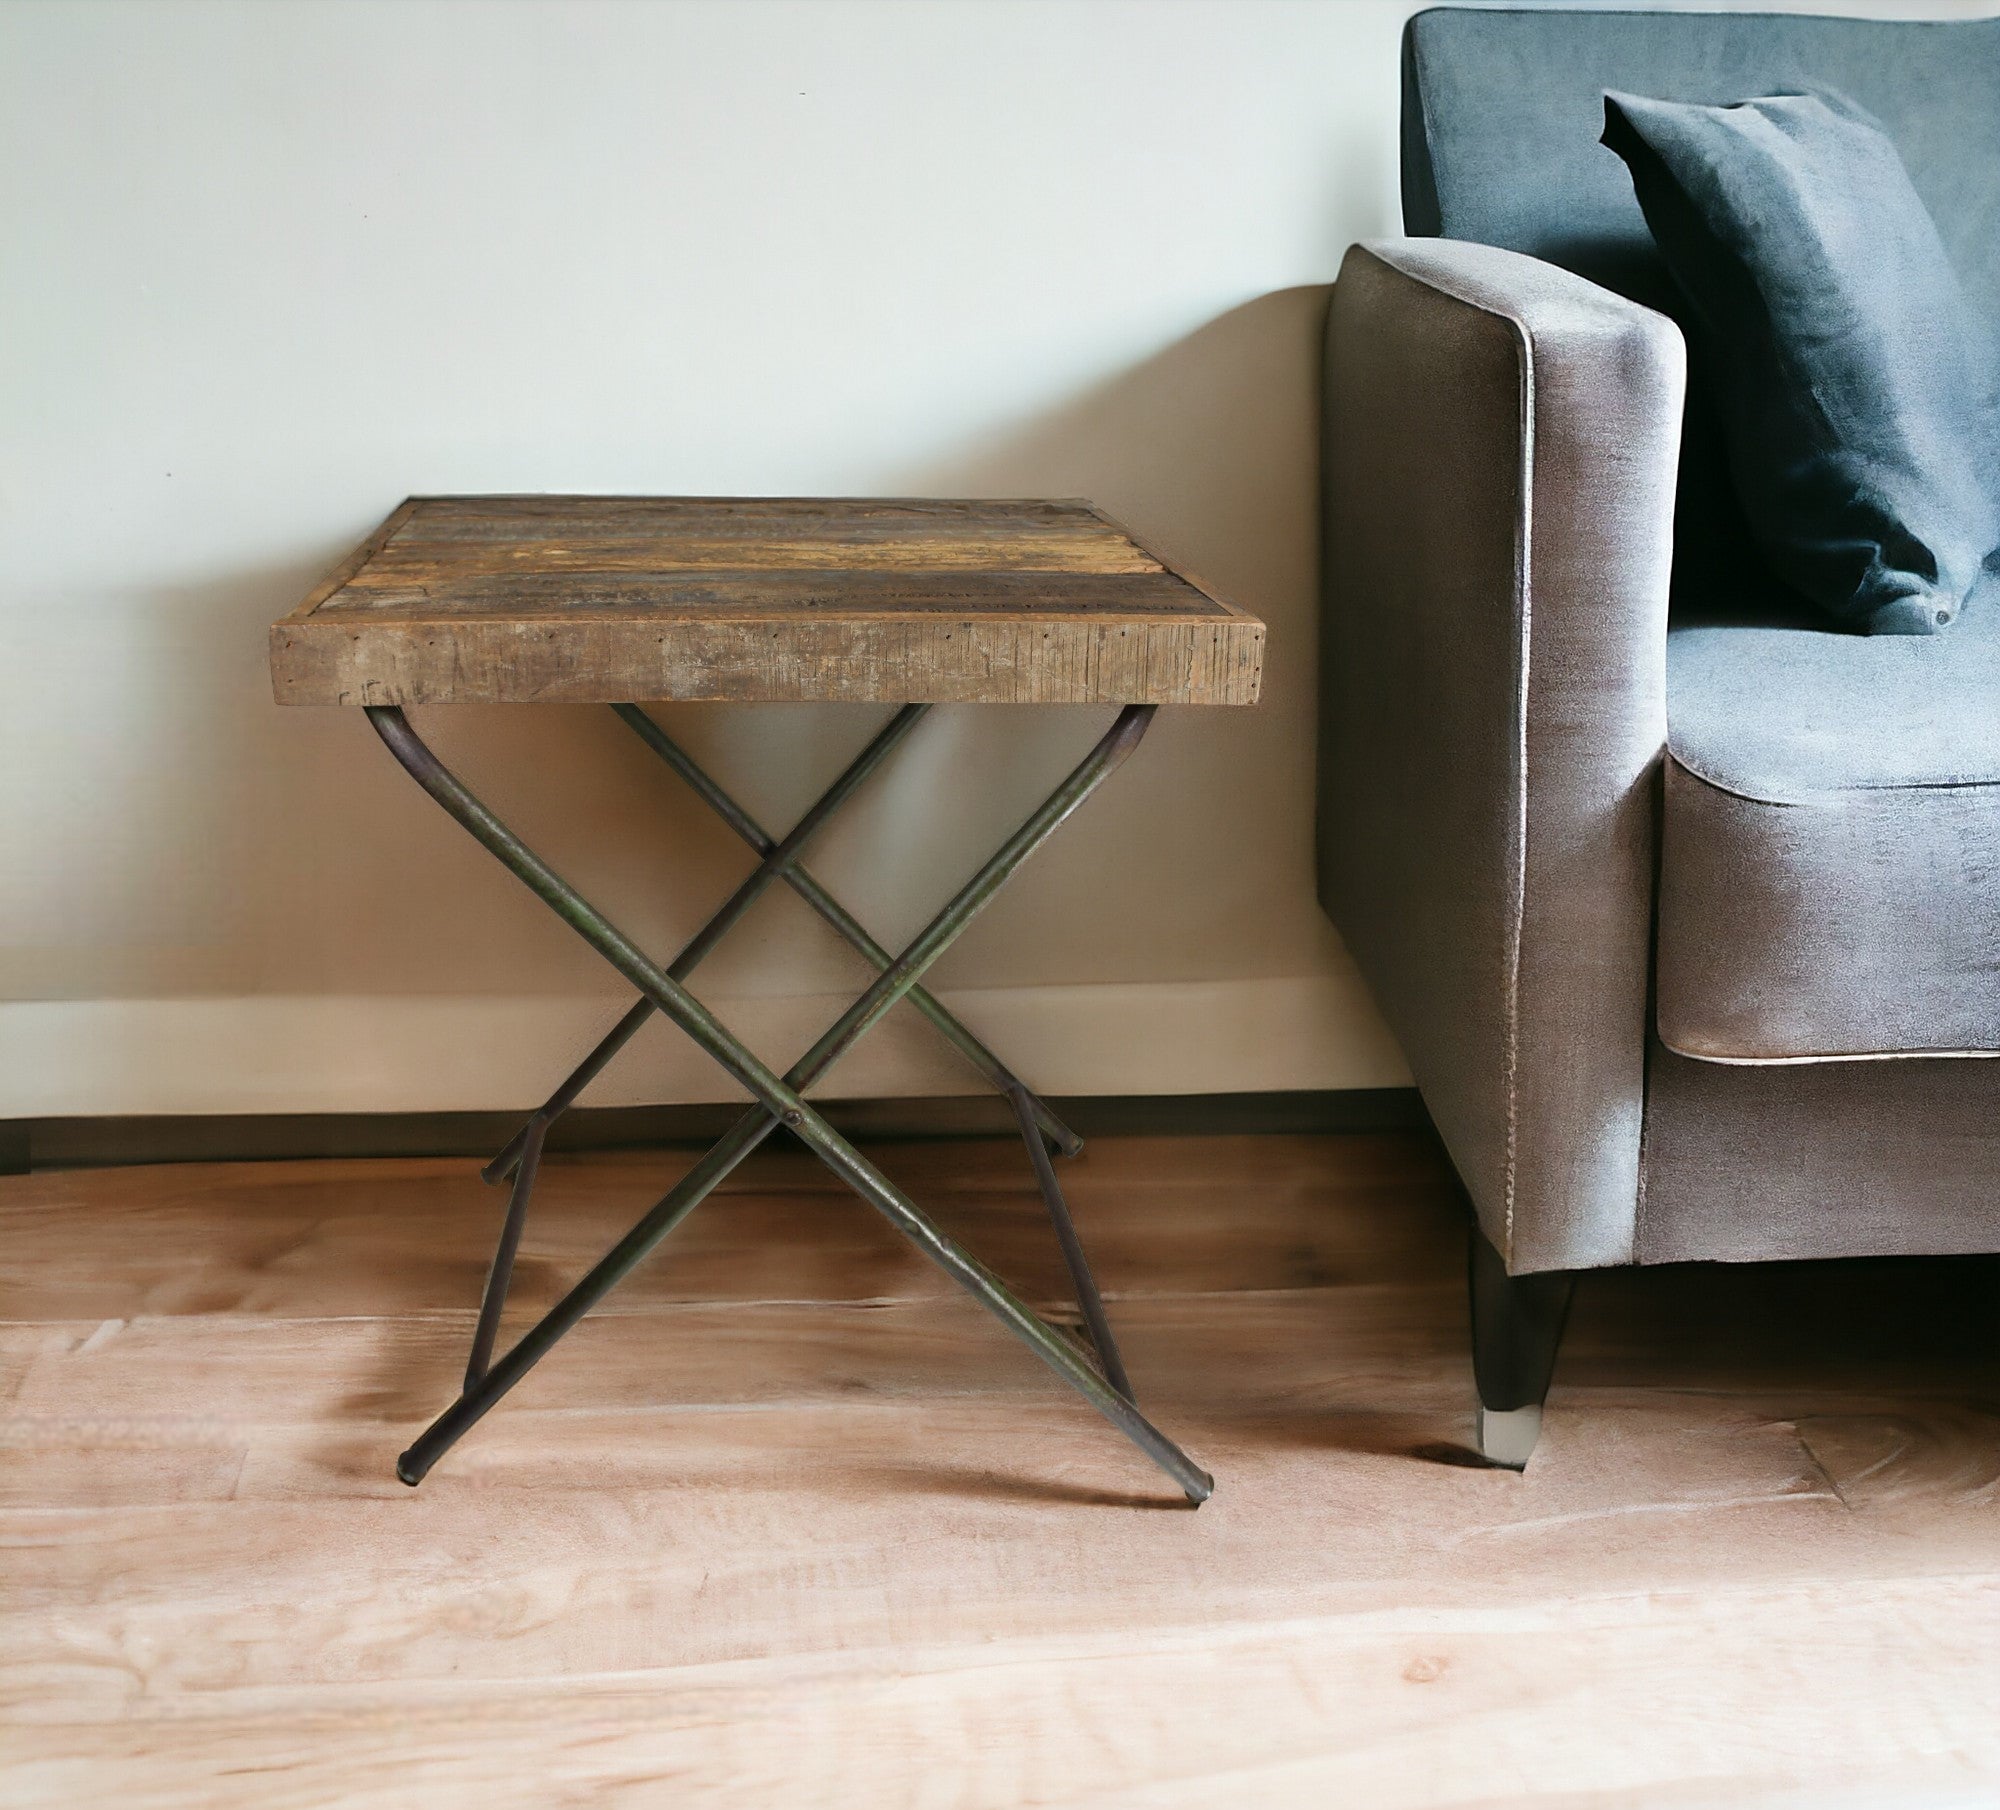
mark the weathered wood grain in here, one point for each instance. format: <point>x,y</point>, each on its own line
<point>795,1526</point>
<point>632,599</point>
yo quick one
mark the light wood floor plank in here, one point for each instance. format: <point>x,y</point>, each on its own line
<point>1767,1697</point>
<point>824,1534</point>
<point>412,1236</point>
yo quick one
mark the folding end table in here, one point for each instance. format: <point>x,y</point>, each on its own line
<point>632,600</point>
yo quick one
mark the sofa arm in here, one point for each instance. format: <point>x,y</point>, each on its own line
<point>1501,446</point>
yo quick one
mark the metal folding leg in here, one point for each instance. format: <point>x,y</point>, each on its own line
<point>776,862</point>
<point>779,861</point>
<point>779,1100</point>
<point>830,908</point>
<point>1085,1284</point>
<point>494,1302</point>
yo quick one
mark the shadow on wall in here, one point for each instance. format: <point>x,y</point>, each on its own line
<point>338,877</point>
<point>1209,451</point>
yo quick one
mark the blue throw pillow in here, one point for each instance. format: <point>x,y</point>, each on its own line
<point>1858,390</point>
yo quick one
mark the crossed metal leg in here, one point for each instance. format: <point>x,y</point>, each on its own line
<point>1102,1383</point>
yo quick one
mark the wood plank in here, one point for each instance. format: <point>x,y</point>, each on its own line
<point>593,592</point>
<point>751,575</point>
<point>1780,1699</point>
<point>459,558</point>
<point>829,1535</point>
<point>932,658</point>
<point>1072,531</point>
<point>355,563</point>
<point>578,512</point>
<point>406,1369</point>
<point>391,1237</point>
<point>602,1542</point>
<point>650,599</point>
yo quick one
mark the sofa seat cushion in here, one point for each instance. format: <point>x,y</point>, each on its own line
<point>1830,853</point>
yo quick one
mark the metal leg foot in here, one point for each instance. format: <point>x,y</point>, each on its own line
<point>1506,1436</point>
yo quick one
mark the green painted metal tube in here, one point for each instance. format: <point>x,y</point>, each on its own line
<point>776,864</point>
<point>809,889</point>
<point>779,1099</point>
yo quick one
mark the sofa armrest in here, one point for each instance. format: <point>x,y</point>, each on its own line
<point>1501,446</point>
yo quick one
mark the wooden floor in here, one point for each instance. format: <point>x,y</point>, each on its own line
<point>793,1524</point>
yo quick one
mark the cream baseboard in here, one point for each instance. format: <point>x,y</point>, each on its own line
<point>453,1053</point>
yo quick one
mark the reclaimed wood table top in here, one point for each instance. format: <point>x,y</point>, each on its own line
<point>571,599</point>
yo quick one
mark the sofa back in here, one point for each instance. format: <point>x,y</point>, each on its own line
<point>1502,109</point>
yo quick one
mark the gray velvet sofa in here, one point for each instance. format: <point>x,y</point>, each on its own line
<point>1685,908</point>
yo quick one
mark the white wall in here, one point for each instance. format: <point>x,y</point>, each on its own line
<point>271,267</point>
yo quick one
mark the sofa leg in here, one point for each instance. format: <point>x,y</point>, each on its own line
<point>1517,1324</point>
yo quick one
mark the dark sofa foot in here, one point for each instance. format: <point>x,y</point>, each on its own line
<point>1517,1325</point>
